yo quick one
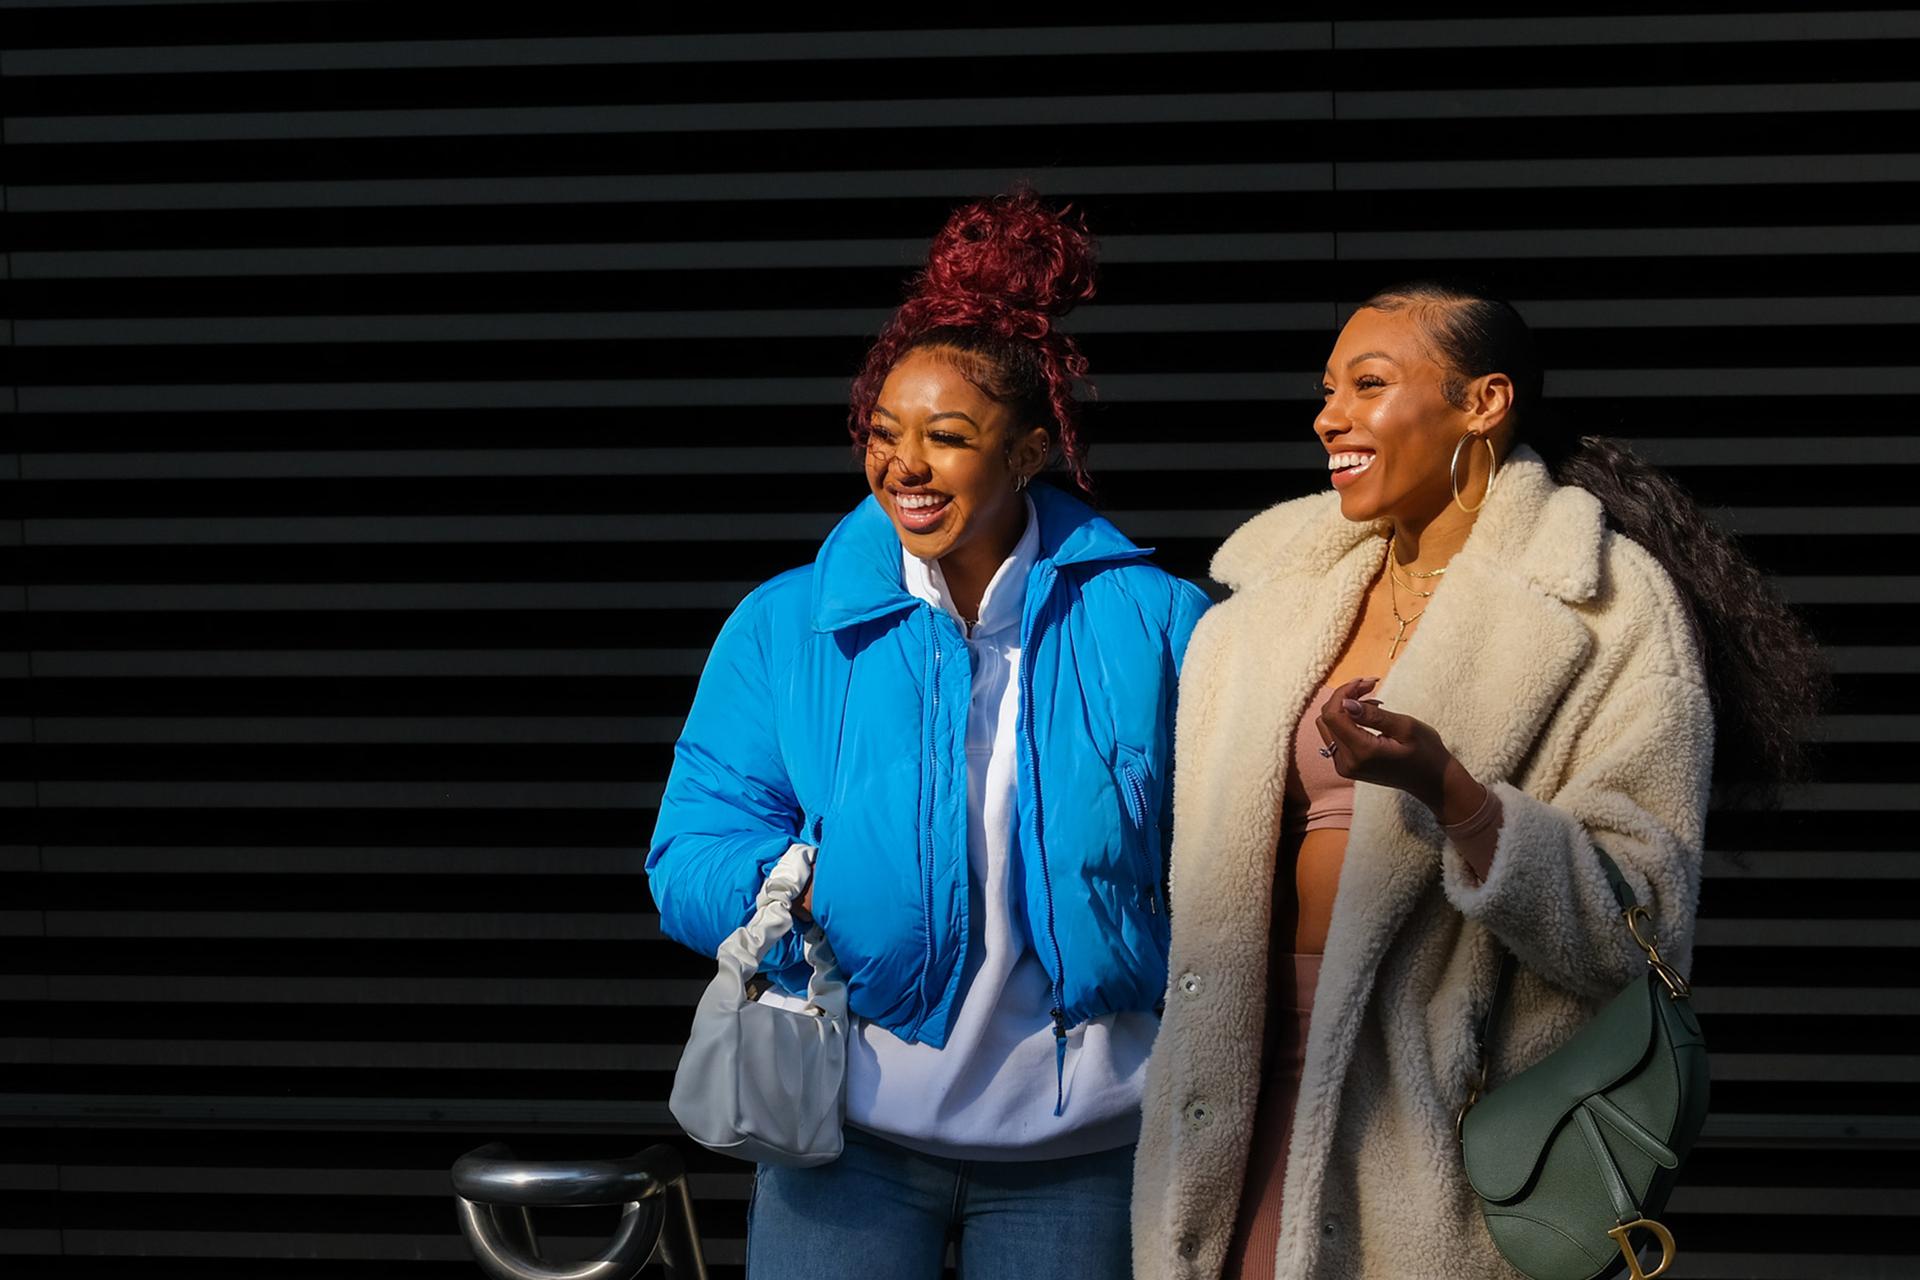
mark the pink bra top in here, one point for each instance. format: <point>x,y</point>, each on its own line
<point>1316,795</point>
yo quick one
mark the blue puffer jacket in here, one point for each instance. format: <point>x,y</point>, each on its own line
<point>833,711</point>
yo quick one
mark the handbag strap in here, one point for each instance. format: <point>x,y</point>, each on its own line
<point>745,948</point>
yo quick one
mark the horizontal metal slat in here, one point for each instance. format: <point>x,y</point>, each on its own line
<point>624,189</point>
<point>602,326</point>
<point>837,459</point>
<point>1843,1068</point>
<point>495,1115</point>
<point>280,989</point>
<point>1812,864</point>
<point>743,46</point>
<point>758,526</point>
<point>1827,1001</point>
<point>1630,171</point>
<point>357,596</point>
<point>1806,933</point>
<point>1637,29</point>
<point>693,117</point>
<point>609,393</point>
<point>419,1055</point>
<point>280,664</point>
<point>463,860</point>
<point>1520,243</point>
<point>1627,100</point>
<point>477,926</point>
<point>707,255</point>
<point>197,793</point>
<point>478,729</point>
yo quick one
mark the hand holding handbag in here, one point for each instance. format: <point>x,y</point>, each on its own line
<point>757,1080</point>
<point>1582,1148</point>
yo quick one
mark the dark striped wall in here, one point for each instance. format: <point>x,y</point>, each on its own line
<point>400,395</point>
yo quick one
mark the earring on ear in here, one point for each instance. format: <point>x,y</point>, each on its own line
<point>1453,471</point>
<point>1021,483</point>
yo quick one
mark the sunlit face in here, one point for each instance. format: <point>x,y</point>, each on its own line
<point>942,456</point>
<point>1385,424</point>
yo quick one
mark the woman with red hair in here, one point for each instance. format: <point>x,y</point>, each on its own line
<point>964,707</point>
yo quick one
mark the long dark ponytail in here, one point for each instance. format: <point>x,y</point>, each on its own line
<point>1765,673</point>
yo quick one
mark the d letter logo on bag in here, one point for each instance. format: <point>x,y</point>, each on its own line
<point>1660,1233</point>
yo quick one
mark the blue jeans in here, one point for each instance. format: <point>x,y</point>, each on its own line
<point>882,1212</point>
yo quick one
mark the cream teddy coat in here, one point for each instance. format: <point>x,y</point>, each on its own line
<point>1557,664</point>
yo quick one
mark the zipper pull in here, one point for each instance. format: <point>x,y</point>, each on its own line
<point>1059,1062</point>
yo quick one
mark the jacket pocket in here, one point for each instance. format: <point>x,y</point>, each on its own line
<point>1142,833</point>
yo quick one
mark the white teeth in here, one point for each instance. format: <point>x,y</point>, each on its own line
<point>1341,461</point>
<point>918,501</point>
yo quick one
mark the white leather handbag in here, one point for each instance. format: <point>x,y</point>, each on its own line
<point>759,1080</point>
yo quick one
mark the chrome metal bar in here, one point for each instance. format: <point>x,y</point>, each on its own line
<point>495,1193</point>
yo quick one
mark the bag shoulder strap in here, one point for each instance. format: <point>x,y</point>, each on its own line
<point>1622,891</point>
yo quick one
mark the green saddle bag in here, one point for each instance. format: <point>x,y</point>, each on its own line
<point>1580,1150</point>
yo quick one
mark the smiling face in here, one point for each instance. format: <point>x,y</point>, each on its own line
<point>942,457</point>
<point>1387,425</point>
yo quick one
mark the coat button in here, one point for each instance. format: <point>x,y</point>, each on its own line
<point>1190,983</point>
<point>1199,1113</point>
<point>1189,1245</point>
<point>1327,1227</point>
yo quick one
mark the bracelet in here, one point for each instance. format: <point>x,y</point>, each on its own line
<point>1480,818</point>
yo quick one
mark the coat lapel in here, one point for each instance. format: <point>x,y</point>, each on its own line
<point>1256,677</point>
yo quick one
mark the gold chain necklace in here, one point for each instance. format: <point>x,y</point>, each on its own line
<point>1430,573</point>
<point>1408,587</point>
<point>1393,598</point>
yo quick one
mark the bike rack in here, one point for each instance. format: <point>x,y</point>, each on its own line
<point>495,1194</point>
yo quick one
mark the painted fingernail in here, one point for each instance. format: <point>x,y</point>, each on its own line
<point>1352,706</point>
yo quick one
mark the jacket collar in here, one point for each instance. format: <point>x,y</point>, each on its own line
<point>857,575</point>
<point>1548,534</point>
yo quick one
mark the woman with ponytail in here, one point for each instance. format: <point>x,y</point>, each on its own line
<point>1438,692</point>
<point>964,706</point>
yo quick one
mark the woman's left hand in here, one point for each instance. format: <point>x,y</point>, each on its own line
<point>1405,753</point>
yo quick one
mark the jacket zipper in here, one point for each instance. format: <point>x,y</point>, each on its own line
<point>926,832</point>
<point>1046,875</point>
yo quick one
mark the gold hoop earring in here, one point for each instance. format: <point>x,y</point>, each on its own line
<point>1453,473</point>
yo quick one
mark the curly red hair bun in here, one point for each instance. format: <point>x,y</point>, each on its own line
<point>1012,250</point>
<point>997,276</point>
